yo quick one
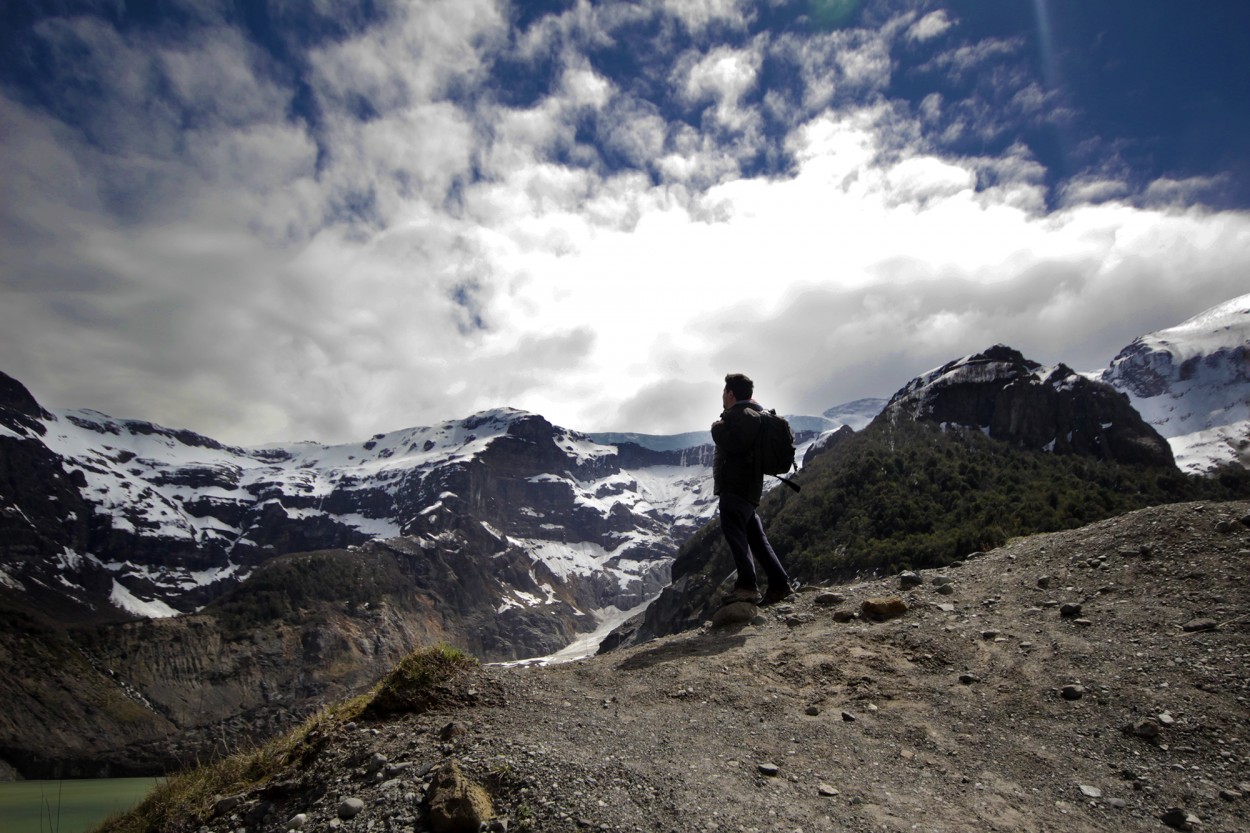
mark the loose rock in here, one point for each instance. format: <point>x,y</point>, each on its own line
<point>881,609</point>
<point>349,808</point>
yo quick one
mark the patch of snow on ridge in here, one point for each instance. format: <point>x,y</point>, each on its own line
<point>8,581</point>
<point>129,602</point>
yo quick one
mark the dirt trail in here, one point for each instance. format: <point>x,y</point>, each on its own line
<point>952,717</point>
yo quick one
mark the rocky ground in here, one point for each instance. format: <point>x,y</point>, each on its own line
<point>1087,680</point>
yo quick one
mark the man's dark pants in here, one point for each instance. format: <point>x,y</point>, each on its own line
<point>744,532</point>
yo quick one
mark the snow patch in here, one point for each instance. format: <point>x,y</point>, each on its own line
<point>129,602</point>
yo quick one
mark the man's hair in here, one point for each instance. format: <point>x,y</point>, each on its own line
<point>740,385</point>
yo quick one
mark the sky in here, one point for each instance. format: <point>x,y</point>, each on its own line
<point>273,221</point>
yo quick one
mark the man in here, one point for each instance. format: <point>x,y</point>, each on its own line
<point>739,482</point>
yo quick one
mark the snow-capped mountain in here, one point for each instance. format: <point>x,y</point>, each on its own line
<point>104,517</point>
<point>158,521</point>
<point>1192,383</point>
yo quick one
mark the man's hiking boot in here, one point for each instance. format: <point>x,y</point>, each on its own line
<point>742,594</point>
<point>772,596</point>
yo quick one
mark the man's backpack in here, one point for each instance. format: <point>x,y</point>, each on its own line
<point>775,448</point>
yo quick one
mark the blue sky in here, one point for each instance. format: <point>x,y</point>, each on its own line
<point>319,220</point>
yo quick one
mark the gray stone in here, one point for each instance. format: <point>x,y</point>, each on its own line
<point>828,599</point>
<point>827,790</point>
<point>1202,624</point>
<point>946,589</point>
<point>1072,692</point>
<point>226,805</point>
<point>375,763</point>
<point>1090,792</point>
<point>1070,610</point>
<point>349,808</point>
<point>1147,729</point>
<point>1044,582</point>
<point>909,579</point>
<point>769,770</point>
<point>297,821</point>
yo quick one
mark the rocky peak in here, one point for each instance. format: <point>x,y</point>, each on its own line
<point>18,408</point>
<point>1033,406</point>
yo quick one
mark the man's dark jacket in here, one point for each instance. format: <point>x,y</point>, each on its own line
<point>736,435</point>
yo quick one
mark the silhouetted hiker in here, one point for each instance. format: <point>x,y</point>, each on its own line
<point>739,483</point>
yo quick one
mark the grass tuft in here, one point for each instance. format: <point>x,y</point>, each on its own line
<point>422,680</point>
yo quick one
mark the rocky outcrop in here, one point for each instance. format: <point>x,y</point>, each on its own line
<point>1032,406</point>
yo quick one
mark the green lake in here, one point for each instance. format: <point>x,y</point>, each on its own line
<point>67,806</point>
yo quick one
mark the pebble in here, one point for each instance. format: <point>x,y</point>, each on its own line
<point>1072,692</point>
<point>1090,792</point>
<point>969,679</point>
<point>812,711</point>
<point>828,599</point>
<point>769,770</point>
<point>1070,610</point>
<point>297,821</point>
<point>827,791</point>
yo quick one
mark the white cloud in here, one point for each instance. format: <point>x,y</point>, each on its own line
<point>724,75</point>
<point>422,250</point>
<point>697,15</point>
<point>930,26</point>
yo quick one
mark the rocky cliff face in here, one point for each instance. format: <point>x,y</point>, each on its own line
<point>1034,407</point>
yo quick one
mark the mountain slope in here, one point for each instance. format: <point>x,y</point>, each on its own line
<point>988,708</point>
<point>1192,383</point>
<point>955,463</point>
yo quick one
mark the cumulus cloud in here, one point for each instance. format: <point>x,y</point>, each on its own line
<point>434,213</point>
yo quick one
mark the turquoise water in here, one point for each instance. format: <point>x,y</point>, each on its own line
<point>67,806</point>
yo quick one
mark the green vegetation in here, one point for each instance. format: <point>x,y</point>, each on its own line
<point>291,585</point>
<point>183,802</point>
<point>911,495</point>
